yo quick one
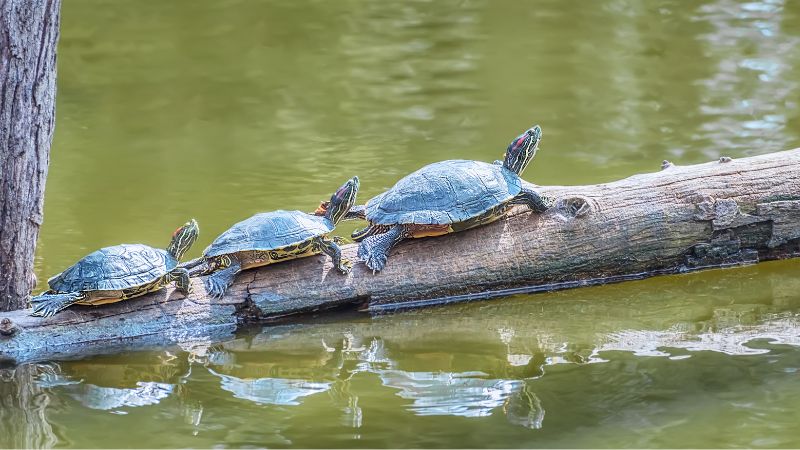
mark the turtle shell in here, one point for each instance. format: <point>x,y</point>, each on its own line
<point>444,193</point>
<point>114,268</point>
<point>269,231</point>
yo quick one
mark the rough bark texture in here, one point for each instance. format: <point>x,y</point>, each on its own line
<point>680,219</point>
<point>28,38</point>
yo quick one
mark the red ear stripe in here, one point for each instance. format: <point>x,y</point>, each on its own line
<point>519,141</point>
<point>175,233</point>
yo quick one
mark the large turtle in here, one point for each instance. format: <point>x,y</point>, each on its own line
<point>447,197</point>
<point>275,236</point>
<point>117,273</point>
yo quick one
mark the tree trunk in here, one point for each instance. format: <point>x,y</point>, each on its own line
<point>724,213</point>
<point>28,38</point>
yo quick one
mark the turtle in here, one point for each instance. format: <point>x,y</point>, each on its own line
<point>446,197</point>
<point>117,273</point>
<point>272,237</point>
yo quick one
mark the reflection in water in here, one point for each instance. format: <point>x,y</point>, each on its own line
<point>465,394</point>
<point>458,394</point>
<point>731,340</point>
<point>525,409</point>
<point>104,398</point>
<point>24,408</point>
<point>511,363</point>
<point>270,391</point>
<point>347,401</point>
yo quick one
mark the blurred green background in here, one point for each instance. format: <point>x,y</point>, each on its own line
<point>220,109</point>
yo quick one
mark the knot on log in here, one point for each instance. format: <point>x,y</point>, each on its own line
<point>725,159</point>
<point>8,328</point>
<point>575,206</point>
<point>724,213</point>
<point>724,249</point>
<point>666,164</point>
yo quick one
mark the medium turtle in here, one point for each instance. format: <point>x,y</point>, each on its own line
<point>274,236</point>
<point>447,197</point>
<point>117,273</point>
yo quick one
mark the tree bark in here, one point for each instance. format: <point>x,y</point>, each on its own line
<point>28,38</point>
<point>724,213</point>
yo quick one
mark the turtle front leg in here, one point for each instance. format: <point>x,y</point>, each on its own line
<point>374,250</point>
<point>219,282</point>
<point>47,305</point>
<point>331,249</point>
<point>182,282</point>
<point>530,198</point>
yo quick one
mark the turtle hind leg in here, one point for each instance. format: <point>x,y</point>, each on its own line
<point>331,249</point>
<point>47,305</point>
<point>537,203</point>
<point>374,250</point>
<point>219,282</point>
<point>181,278</point>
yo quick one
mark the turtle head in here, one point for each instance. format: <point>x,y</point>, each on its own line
<point>522,149</point>
<point>341,201</point>
<point>183,238</point>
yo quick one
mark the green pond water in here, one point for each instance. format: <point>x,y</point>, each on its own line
<point>220,109</point>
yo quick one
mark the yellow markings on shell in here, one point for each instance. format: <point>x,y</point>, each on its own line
<point>258,258</point>
<point>420,231</point>
<point>96,298</point>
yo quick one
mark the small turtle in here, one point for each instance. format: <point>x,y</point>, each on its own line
<point>274,236</point>
<point>117,273</point>
<point>447,197</point>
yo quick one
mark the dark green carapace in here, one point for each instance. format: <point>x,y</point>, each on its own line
<point>274,236</point>
<point>447,197</point>
<point>117,273</point>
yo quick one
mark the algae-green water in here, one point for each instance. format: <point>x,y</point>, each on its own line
<point>220,109</point>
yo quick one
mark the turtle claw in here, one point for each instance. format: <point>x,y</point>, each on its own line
<point>372,252</point>
<point>47,305</point>
<point>341,240</point>
<point>345,267</point>
<point>219,282</point>
<point>214,288</point>
<point>375,261</point>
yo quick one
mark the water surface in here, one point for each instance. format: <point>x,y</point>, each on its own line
<point>220,109</point>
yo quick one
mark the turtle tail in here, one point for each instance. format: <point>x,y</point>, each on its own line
<point>47,305</point>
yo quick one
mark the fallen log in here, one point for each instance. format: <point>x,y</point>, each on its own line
<point>683,218</point>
